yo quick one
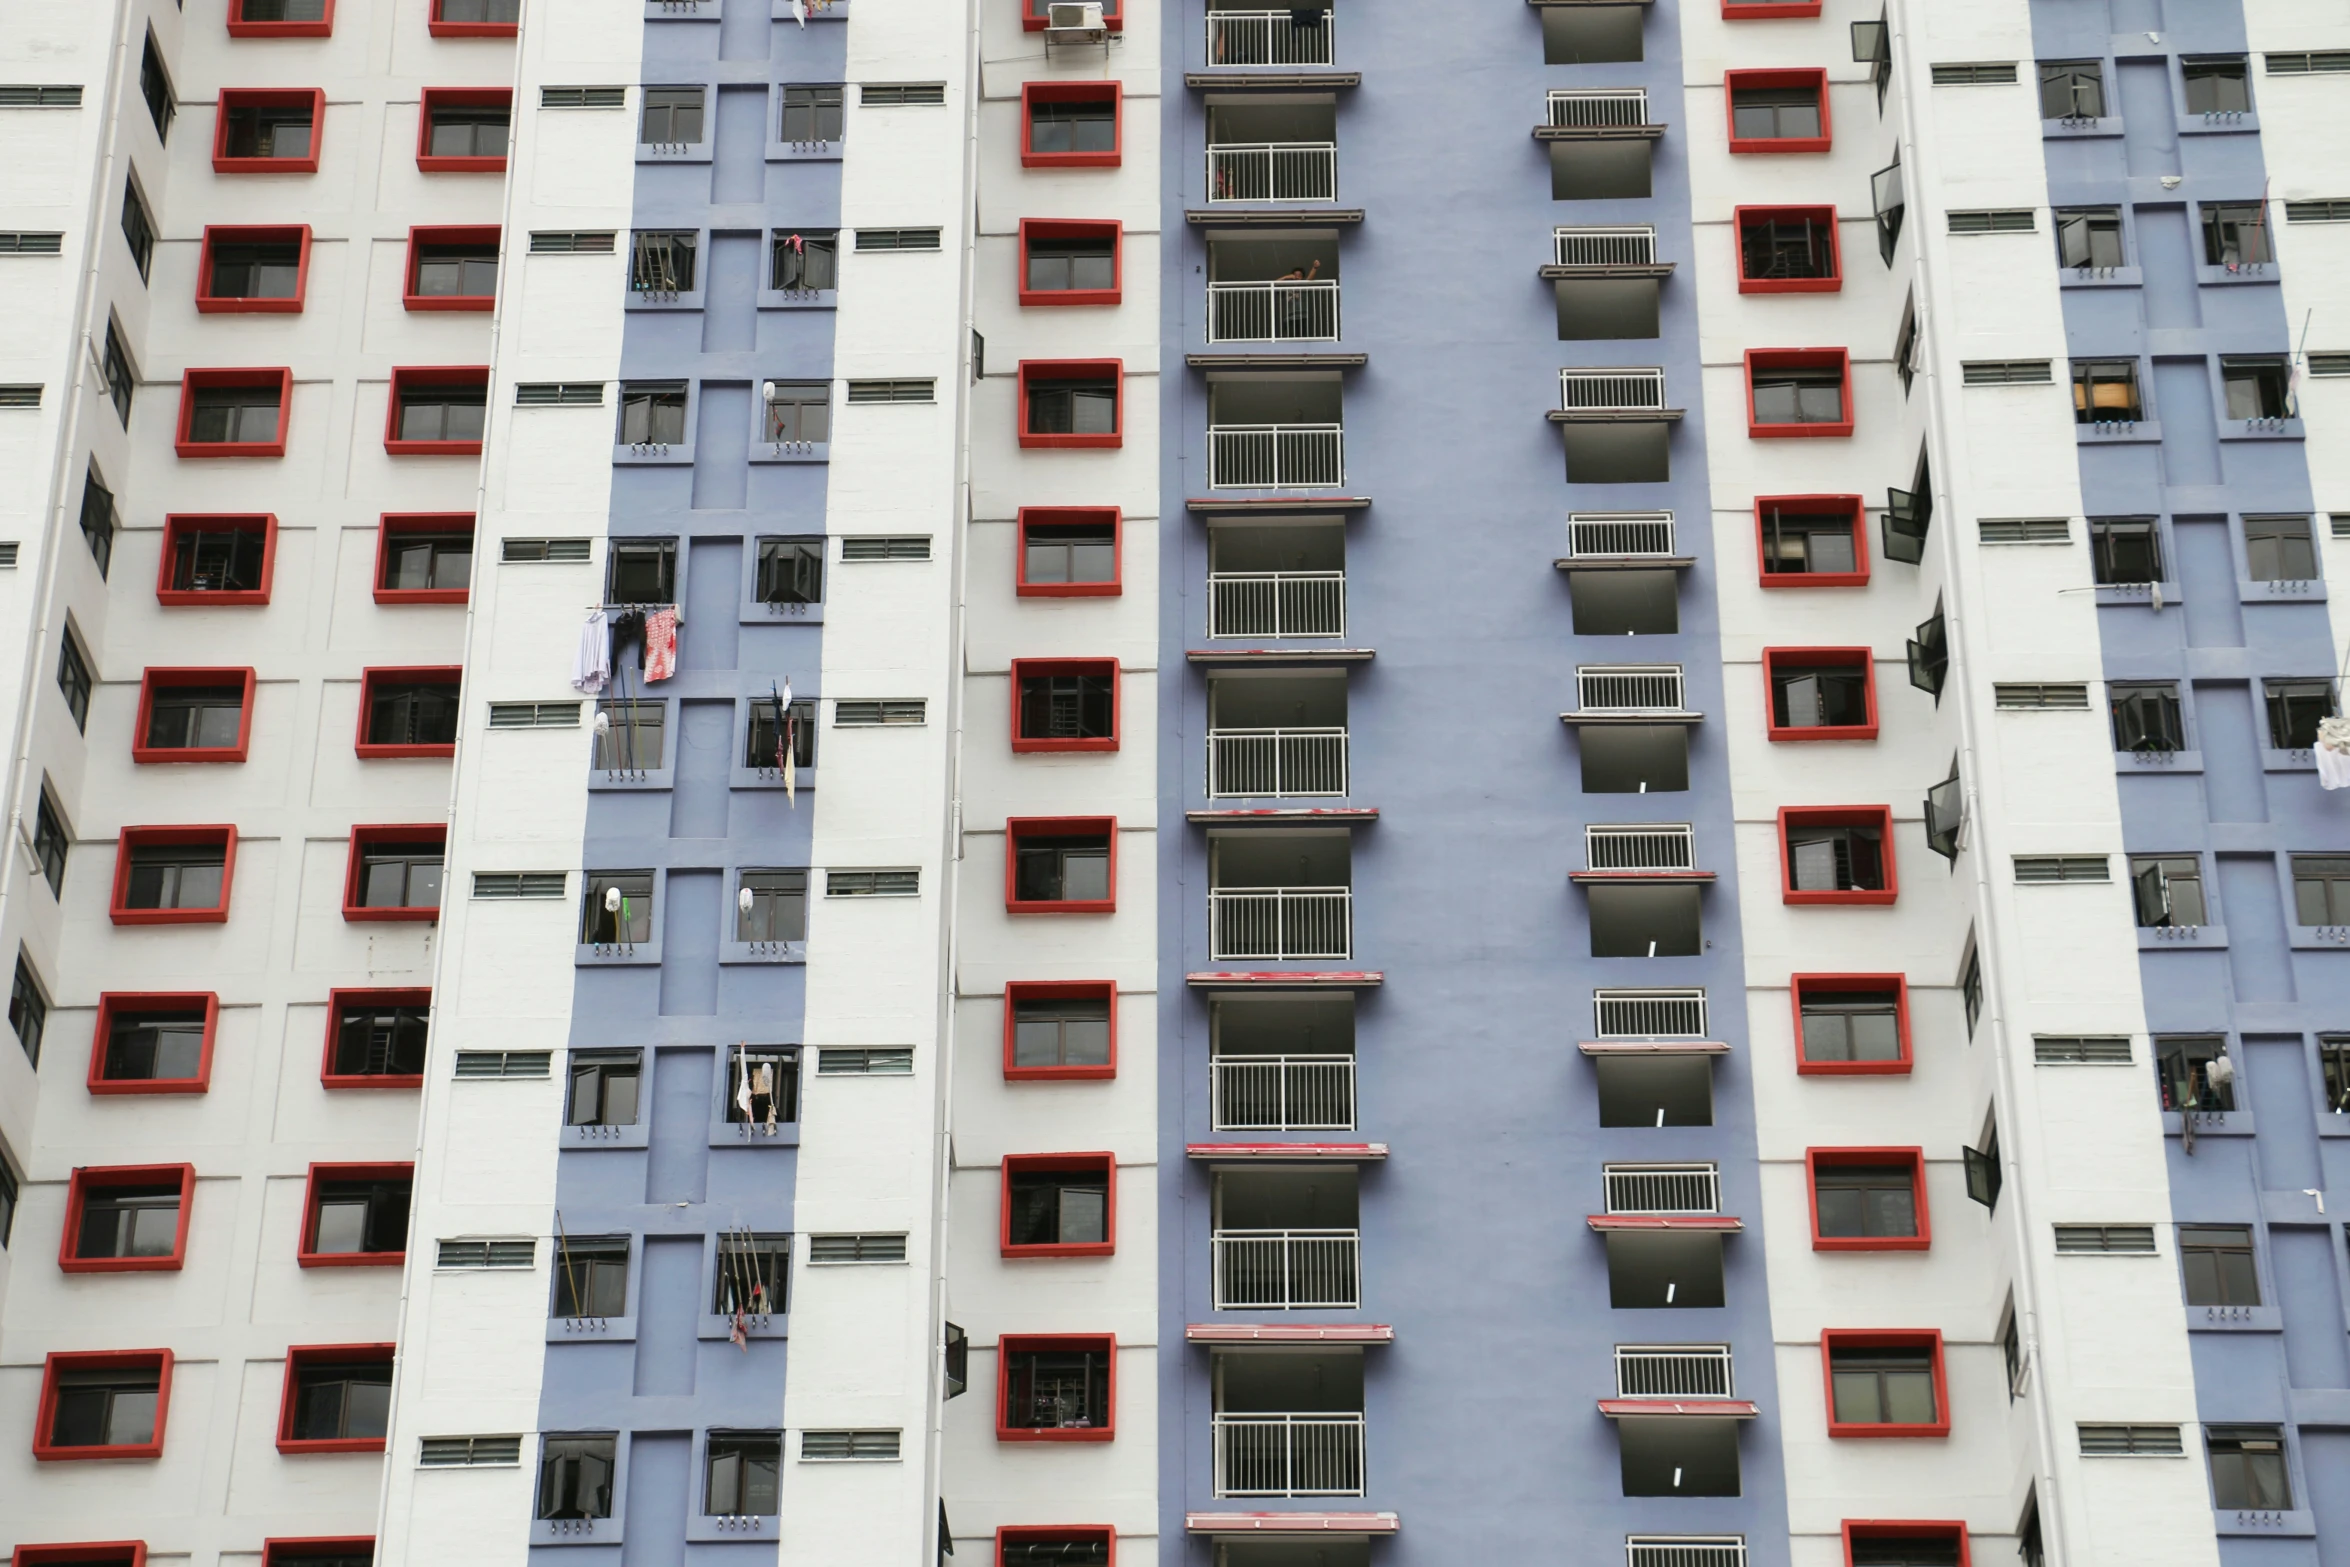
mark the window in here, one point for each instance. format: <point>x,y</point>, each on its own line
<point>213,559</point>
<point>280,18</point>
<point>8,1200</point>
<point>2011,1349</point>
<point>630,737</point>
<point>1984,1173</point>
<point>1868,1199</point>
<point>799,413</point>
<point>865,1062</point>
<point>575,1477</point>
<point>1070,124</point>
<point>2125,550</point>
<point>110,1404</point>
<point>641,572</point>
<point>1070,402</point>
<point>1837,855</point>
<point>812,116</point>
<point>2321,889</point>
<point>1811,541</point>
<point>97,520</point>
<point>28,1013</point>
<point>1069,263</point>
<point>672,117</point>
<point>2007,220</point>
<point>1788,250</point>
<point>1885,1384</point>
<point>1851,1023</point>
<point>1068,553</point>
<point>1798,392</point>
<point>247,271</point>
<point>437,412</point>
<point>2248,1467</point>
<point>337,1400</point>
<point>452,269</point>
<point>138,230</point>
<point>2113,1441</point>
<point>122,377</point>
<point>267,132</point>
<point>356,1214</point>
<point>662,264</point>
<point>843,1249</point>
<point>1059,1205</point>
<point>2295,708</point>
<point>2072,90</point>
<point>2147,717</point>
<point>744,1475</point>
<point>772,906</point>
<point>652,413</point>
<point>591,1276</point>
<point>162,102</point>
<point>52,840</point>
<point>376,1038</point>
<point>1065,705</point>
<point>1060,1029</point>
<point>462,18</point>
<point>424,558</point>
<point>1778,111</point>
<point>754,1274</point>
<point>791,571</point>
<point>832,1445</point>
<point>2257,389</point>
<point>605,1088</point>
<point>1056,1389</point>
<point>764,1087</point>
<point>73,679</point>
<point>2105,391</point>
<point>173,875</point>
<point>407,712</point>
<point>2089,238</point>
<point>1821,693</point>
<point>2235,234</point>
<point>193,715</point>
<point>805,261</point>
<point>129,1219</point>
<point>2168,890</point>
<point>1064,865</point>
<point>464,130</point>
<point>2218,1264</point>
<point>1904,1545</point>
<point>233,413</point>
<point>2217,86</point>
<point>762,750</point>
<point>394,873</point>
<point>872,884</point>
<point>2333,1052</point>
<point>153,1043</point>
<point>2193,1072</point>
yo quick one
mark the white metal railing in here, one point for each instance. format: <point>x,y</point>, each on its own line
<point>1642,848</point>
<point>1276,762</point>
<point>1281,922</point>
<point>1286,1270</point>
<point>1673,1371</point>
<point>1282,1093</point>
<point>1276,310</point>
<point>1611,391</point>
<point>1594,106</point>
<point>1620,533</point>
<point>1267,38</point>
<point>1276,456</point>
<point>1629,687</point>
<point>1604,247</point>
<point>1663,1188</point>
<point>1289,1455</point>
<point>1273,171</point>
<point>1649,1014</point>
<point>1277,604</point>
<point>1671,1550</point>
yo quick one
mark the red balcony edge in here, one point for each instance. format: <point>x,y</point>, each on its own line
<point>1285,1151</point>
<point>1666,1221</point>
<point>1295,813</point>
<point>1653,1047</point>
<point>1291,1523</point>
<point>1654,878</point>
<point>1684,1408</point>
<point>1361,979</point>
<point>1288,1333</point>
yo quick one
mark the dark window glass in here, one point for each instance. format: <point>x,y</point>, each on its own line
<point>1056,265</point>
<point>469,130</point>
<point>1057,1389</point>
<point>619,908</point>
<point>1970,985</point>
<point>2334,1057</point>
<point>1806,542</point>
<point>400,876</point>
<point>177,876</point>
<point>1784,248</point>
<point>419,561</point>
<point>754,1274</point>
<point>221,414</point>
<point>217,560</point>
<point>591,1276</point>
<point>1072,408</point>
<point>255,271</point>
<point>811,114</point>
<point>1798,396</point>
<point>2279,549</point>
<point>1071,1550</point>
<point>2168,890</point>
<point>2183,1067</point>
<point>2125,550</point>
<point>1068,707</point>
<point>1058,870</point>
<point>1925,1550</point>
<point>28,1014</point>
<point>282,10</point>
<point>791,571</point>
<point>2089,237</point>
<point>480,10</point>
<point>73,679</point>
<point>2072,90</point>
<point>1775,113</point>
<point>128,1221</point>
<point>349,1401</point>
<point>417,712</point>
<point>2235,233</point>
<point>1869,1201</point>
<point>443,413</point>
<point>360,1217</point>
<point>2321,889</point>
<point>268,131</point>
<point>2217,86</point>
<point>2295,708</point>
<point>745,1474</point>
<point>760,746</point>
<point>1827,696</point>
<point>1851,1025</point>
<point>1063,552</point>
<point>2148,718</point>
<point>1060,1207</point>
<point>2105,391</point>
<point>1835,859</point>
<point>630,735</point>
<point>772,906</point>
<point>194,717</point>
<point>806,261</point>
<point>1082,125</point>
<point>1061,1031</point>
<point>380,1041</point>
<point>98,520</point>
<point>8,1196</point>
<point>653,414</point>
<point>800,412</point>
<point>106,1408</point>
<point>663,263</point>
<point>1883,1386</point>
<point>155,87</point>
<point>642,571</point>
<point>138,230</point>
<point>2256,388</point>
<point>2248,1467</point>
<point>575,1477</point>
<point>456,271</point>
<point>52,841</point>
<point>605,1089</point>
<point>2218,1264</point>
<point>148,1047</point>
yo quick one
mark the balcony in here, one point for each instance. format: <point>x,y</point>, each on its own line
<point>1287,1270</point>
<point>1603,247</point>
<point>1276,456</point>
<point>1620,535</point>
<point>1667,1550</point>
<point>1273,152</point>
<point>1663,1188</point>
<point>1597,109</point>
<point>1277,310</point>
<point>1289,1455</point>
<point>1640,848</point>
<point>1673,1371</point>
<point>1282,1093</point>
<point>1649,1014</point>
<point>1281,923</point>
<point>1277,604</point>
<point>1629,690</point>
<point>1617,392</point>
<point>1293,763</point>
<point>1284,37</point>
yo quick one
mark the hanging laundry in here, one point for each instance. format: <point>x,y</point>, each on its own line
<point>799,12</point>
<point>660,644</point>
<point>591,666</point>
<point>766,1091</point>
<point>2333,753</point>
<point>742,1082</point>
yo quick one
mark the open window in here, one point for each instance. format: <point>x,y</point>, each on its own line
<point>1868,1199</point>
<point>1789,250</point>
<point>2193,1072</point>
<point>616,908</point>
<point>2167,890</point>
<point>267,130</point>
<point>1058,1389</point>
<point>754,1274</point>
<point>814,116</point>
<point>464,130</point>
<point>1069,551</point>
<point>176,875</point>
<point>2089,240</point>
<point>337,1399</point>
<point>804,261</point>
<point>1066,262</point>
<point>2147,716</point>
<point>1059,1030</point>
<point>1061,865</point>
<point>355,1215</point>
<point>437,411</point>
<point>1827,693</point>
<point>451,269</point>
<point>2258,389</point>
<point>475,18</point>
<point>253,271</point>
<point>1071,125</point>
<point>394,873</point>
<point>2072,90</point>
<point>1064,704</point>
<point>2248,1468</point>
<point>2295,708</point>
<point>771,906</point>
<point>281,18</point>
<point>1851,1024</point>
<point>606,1088</point>
<point>763,1086</point>
<point>127,1219</point>
<point>1067,403</point>
<point>576,1475</point>
<point>154,1042</point>
<point>1837,855</point>
<point>591,1277</point>
<point>1053,1545</point>
<point>1905,1543</point>
<point>194,715</point>
<point>1779,111</point>
<point>424,558</point>
<point>103,1404</point>
<point>2125,550</point>
<point>376,1038</point>
<point>234,413</point>
<point>1885,1383</point>
<point>408,712</point>
<point>2105,391</point>
<point>1797,392</point>
<point>1812,541</point>
<point>214,559</point>
<point>1060,1205</point>
<point>742,1475</point>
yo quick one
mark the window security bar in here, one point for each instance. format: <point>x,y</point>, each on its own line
<point>1595,106</point>
<point>1663,1188</point>
<point>1281,922</point>
<point>1651,1550</point>
<point>1287,1270</point>
<point>1287,37</point>
<point>1276,456</point>
<point>1293,762</point>
<point>1611,391</point>
<point>1283,1093</point>
<point>1629,687</point>
<point>1273,171</point>
<point>1277,604</point>
<point>1613,247</point>
<point>1289,1455</point>
<point>1644,848</point>
<point>1649,1014</point>
<point>1278,310</point>
<point>1673,1371</point>
<point>1620,533</point>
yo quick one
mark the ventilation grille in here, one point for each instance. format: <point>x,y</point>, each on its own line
<point>519,884</point>
<point>18,243</point>
<point>925,391</point>
<point>869,715</point>
<point>20,396</point>
<point>898,239</point>
<point>2081,1049</point>
<point>2025,530</point>
<point>856,1248</point>
<point>573,242</point>
<point>488,1254</point>
<point>872,884</point>
<point>552,552</point>
<point>583,97</point>
<point>2141,1441</point>
<point>534,715</point>
<point>14,96</point>
<point>2336,210</point>
<point>1975,74</point>
<point>848,1444</point>
<point>886,547</point>
<point>2041,869</point>
<point>2120,1240</point>
<point>2309,62</point>
<point>2004,220</point>
<point>504,1063</point>
<point>865,1063</point>
<point>901,95</point>
<point>468,1452</point>
<point>559,394</point>
<point>2008,372</point>
<point>2042,698</point>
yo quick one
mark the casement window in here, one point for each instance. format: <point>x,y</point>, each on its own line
<point>194,715</point>
<point>2236,234</point>
<point>452,269</point>
<point>1060,1205</point>
<point>2333,1054</point>
<point>267,131</point>
<point>1071,125</point>
<point>138,229</point>
<point>813,116</point>
<point>1821,693</point>
<point>408,713</point>
<point>743,1475</point>
<point>213,559</point>
<point>376,1038</point>
<point>591,1276</point>
<point>28,1010</point>
<point>356,1214</point>
<point>805,261</point>
<point>761,747</point>
<point>9,1193</point>
<point>2219,85</point>
<point>465,18</point>
<point>424,558</point>
<point>249,271</point>
<point>2089,239</point>
<point>1068,552</point>
<point>163,103</point>
<point>2280,549</point>
<point>641,572</point>
<point>97,519</point>
<point>606,1088</point>
<point>281,18</point>
<point>2217,1262</point>
<point>74,680</point>
<point>2134,1441</point>
<point>1064,262</point>
<point>1788,250</point>
<point>865,1062</point>
<point>173,875</point>
<point>2167,890</point>
<point>104,1404</point>
<point>1851,1023</point>
<point>2321,889</point>
<point>464,130</point>
<point>2295,709</point>
<point>1868,1199</point>
<point>754,1274</point>
<point>2147,717</point>
<point>1909,515</point>
<point>1065,705</point>
<point>437,412</point>
<point>1905,1544</point>
<point>1057,1389</point>
<point>631,736</point>
<point>128,1219</point>
<point>845,1249</point>
<point>662,263</point>
<point>798,413</point>
<point>1061,865</point>
<point>395,873</point>
<point>762,1085</point>
<point>575,1476</point>
<point>2005,220</point>
<point>1885,1384</point>
<point>2248,1467</point>
<point>122,376</point>
<point>652,413</point>
<point>2256,389</point>
<point>833,1446</point>
<point>1812,541</point>
<point>2011,1349</point>
<point>1798,392</point>
<point>791,570</point>
<point>1060,1029</point>
<point>153,1043</point>
<point>771,906</point>
<point>1779,111</point>
<point>2125,550</point>
<point>872,884</point>
<point>2072,90</point>
<point>1055,1546</point>
<point>1985,1175</point>
<point>337,1399</point>
<point>52,841</point>
<point>512,1064</point>
<point>1837,854</point>
<point>2105,391</point>
<point>883,546</point>
<point>234,413</point>
<point>1071,403</point>
<point>2184,1072</point>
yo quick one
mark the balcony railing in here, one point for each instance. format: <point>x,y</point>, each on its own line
<point>1611,391</point>
<point>1589,107</point>
<point>1273,171</point>
<point>1663,1188</point>
<point>1276,456</point>
<point>1289,1455</point>
<point>1276,762</point>
<point>1644,848</point>
<point>1620,533</point>
<point>1283,1093</point>
<point>1634,688</point>
<point>1268,38</point>
<point>1281,922</point>
<point>1673,1371</point>
<point>1649,1014</point>
<point>1669,1550</point>
<point>1277,604</point>
<point>1277,310</point>
<point>1286,1270</point>
<point>1605,247</point>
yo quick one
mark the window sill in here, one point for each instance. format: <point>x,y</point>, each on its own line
<point>622,780</point>
<point>1055,1434</point>
<point>432,448</point>
<point>1781,736</point>
<point>1872,1242</point>
<point>149,755</point>
<point>575,1138</point>
<point>575,1531</point>
<point>696,152</point>
<point>660,299</point>
<point>2275,761</point>
<point>2081,129</point>
<point>804,152</point>
<point>591,1330</point>
<point>754,1134</point>
<point>297,1447</point>
<point>1062,906</point>
<point>1085,1249</point>
<point>447,302</point>
<point>790,451</point>
<point>424,596</point>
<point>402,753</point>
<point>355,914</point>
<point>1789,285</point>
<point>337,1084</point>
<point>771,778</point>
<point>171,1264</point>
<point>2127,593</point>
<point>2261,430</point>
<point>248,307</point>
<point>2112,432</point>
<point>2155,938</point>
<point>654,454</point>
<point>2334,1125</point>
<point>773,1326</point>
<point>1069,590</point>
<point>1815,579</point>
<point>681,10</point>
<point>266,165</point>
<point>761,612</point>
<point>2241,1521</point>
<point>799,299</point>
<point>1097,443</point>
<point>2302,590</point>
<point>1021,747</point>
<point>1842,1431</point>
<point>2100,277</point>
<point>44,1453</point>
<point>2320,938</point>
<point>2126,762</point>
<point>474,29</point>
<point>1862,898</point>
<point>191,598</point>
<point>2261,272</point>
<point>1070,160</point>
<point>196,451</point>
<point>217,916</point>
<point>1047,298</point>
<point>2211,1123</point>
<point>1798,432</point>
<point>351,1259</point>
<point>2222,122</point>
<point>763,952</point>
<point>2235,1319</point>
<point>623,954</point>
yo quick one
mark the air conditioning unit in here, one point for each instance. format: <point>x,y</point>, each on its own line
<point>1075,21</point>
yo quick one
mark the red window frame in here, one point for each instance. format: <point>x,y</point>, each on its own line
<point>1106,1164</point>
<point>1075,228</point>
<point>441,29</point>
<point>299,1355</point>
<point>1011,1344</point>
<point>1039,1534</point>
<point>392,832</point>
<point>451,675</point>
<point>454,234</point>
<point>1813,505</point>
<point>1877,816</point>
<point>455,375</point>
<point>263,523</point>
<point>126,1003</point>
<point>1814,1159</point>
<point>193,381</point>
<point>1801,985</point>
<point>1769,10</point>
<point>103,1176</point>
<point>1837,359</point>
<point>222,834</point>
<point>1023,668</point>
<point>1030,516</point>
<point>267,98</point>
<point>336,1001</point>
<point>1019,990</point>
<point>459,98</point>
<point>1832,657</point>
<point>1741,216</point>
<point>1906,1529</point>
<point>151,680</point>
<point>1930,1339</point>
<point>1032,18</point>
<point>397,522</point>
<point>1018,827</point>
<point>1812,77</point>
<point>92,1553</point>
<point>305,1257</point>
<point>238,27</point>
<point>45,1416</point>
<point>1073,92</point>
<point>262,234</point>
<point>1093,370</point>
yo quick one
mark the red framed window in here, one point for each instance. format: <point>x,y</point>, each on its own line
<point>1034,13</point>
<point>268,130</point>
<point>1057,1388</point>
<point>103,1404</point>
<point>1072,125</point>
<point>1885,1382</point>
<point>1071,552</point>
<point>464,130</point>
<point>154,1042</point>
<point>1060,1205</point>
<point>1812,541</point>
<point>451,268</point>
<point>216,559</point>
<point>130,1218</point>
<point>1061,864</point>
<point>355,1215</point>
<point>337,1398</point>
<point>1821,693</point>
<point>234,413</point>
<point>1837,854</point>
<point>1060,1030</point>
<point>281,18</point>
<point>375,1038</point>
<point>394,873</point>
<point>1880,1542</point>
<point>1068,261</point>
<point>1066,403</point>
<point>253,271</point>
<point>1779,111</point>
<point>1851,1024</point>
<point>1055,1545</point>
<point>408,712</point>
<point>1064,704</point>
<point>1789,250</point>
<point>437,410</point>
<point>424,557</point>
<point>476,18</point>
<point>1868,1199</point>
<point>177,875</point>
<point>194,715</point>
<point>97,1553</point>
<point>324,1551</point>
<point>1762,10</point>
<point>1795,393</point>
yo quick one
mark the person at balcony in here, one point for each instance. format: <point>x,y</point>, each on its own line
<point>1296,309</point>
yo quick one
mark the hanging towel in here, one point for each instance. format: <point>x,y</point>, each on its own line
<point>591,666</point>
<point>660,644</point>
<point>799,12</point>
<point>2333,753</point>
